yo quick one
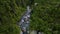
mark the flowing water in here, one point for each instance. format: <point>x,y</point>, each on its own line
<point>25,21</point>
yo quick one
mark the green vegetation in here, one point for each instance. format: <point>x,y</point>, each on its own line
<point>46,17</point>
<point>10,13</point>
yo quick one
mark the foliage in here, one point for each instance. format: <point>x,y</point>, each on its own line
<point>10,13</point>
<point>46,16</point>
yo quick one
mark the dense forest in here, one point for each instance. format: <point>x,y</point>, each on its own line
<point>45,17</point>
<point>10,13</point>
